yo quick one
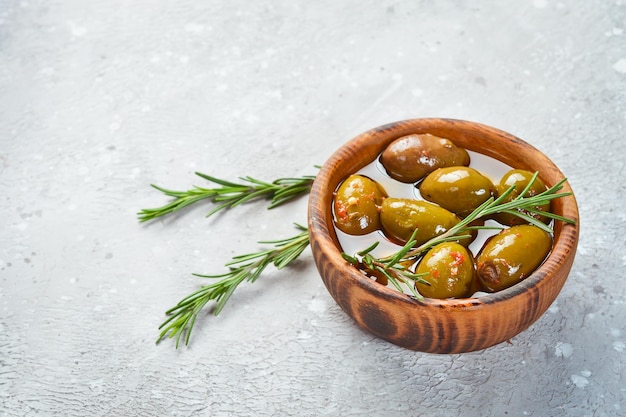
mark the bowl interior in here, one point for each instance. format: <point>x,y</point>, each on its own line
<point>433,325</point>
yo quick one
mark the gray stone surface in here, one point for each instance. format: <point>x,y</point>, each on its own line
<point>99,99</point>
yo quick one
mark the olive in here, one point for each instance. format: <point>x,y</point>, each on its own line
<point>410,158</point>
<point>356,205</point>
<point>457,189</point>
<point>449,269</point>
<point>380,277</point>
<point>399,217</point>
<point>519,179</point>
<point>511,255</point>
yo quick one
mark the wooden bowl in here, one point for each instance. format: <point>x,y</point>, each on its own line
<point>434,325</point>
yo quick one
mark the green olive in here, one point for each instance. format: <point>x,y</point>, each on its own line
<point>519,179</point>
<point>449,269</point>
<point>356,205</point>
<point>457,189</point>
<point>399,217</point>
<point>512,255</point>
<point>410,158</point>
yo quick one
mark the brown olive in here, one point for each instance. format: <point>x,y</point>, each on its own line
<point>356,205</point>
<point>457,189</point>
<point>399,217</point>
<point>511,255</point>
<point>449,269</point>
<point>519,179</point>
<point>410,158</point>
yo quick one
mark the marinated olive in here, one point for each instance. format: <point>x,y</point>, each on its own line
<point>457,189</point>
<point>449,269</point>
<point>520,179</point>
<point>410,158</point>
<point>356,205</point>
<point>511,255</point>
<point>399,217</point>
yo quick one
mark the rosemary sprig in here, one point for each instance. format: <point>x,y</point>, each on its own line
<point>516,206</point>
<point>395,266</point>
<point>392,267</point>
<point>230,194</point>
<point>248,267</point>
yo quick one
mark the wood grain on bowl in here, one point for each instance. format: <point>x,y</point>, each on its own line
<point>433,325</point>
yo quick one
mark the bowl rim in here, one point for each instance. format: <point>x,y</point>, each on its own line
<point>565,236</point>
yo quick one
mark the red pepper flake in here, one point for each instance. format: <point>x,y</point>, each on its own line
<point>340,210</point>
<point>458,257</point>
<point>434,273</point>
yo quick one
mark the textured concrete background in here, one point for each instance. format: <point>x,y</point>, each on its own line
<point>98,99</point>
